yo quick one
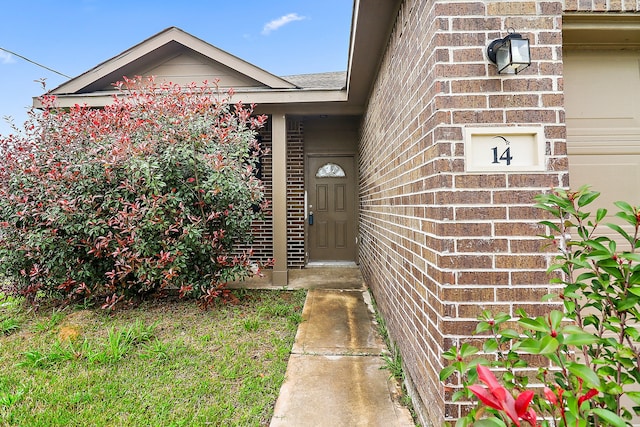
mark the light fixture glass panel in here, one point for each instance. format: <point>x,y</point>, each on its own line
<point>520,51</point>
<point>502,57</point>
<point>513,56</point>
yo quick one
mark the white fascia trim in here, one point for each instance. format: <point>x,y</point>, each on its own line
<point>284,96</point>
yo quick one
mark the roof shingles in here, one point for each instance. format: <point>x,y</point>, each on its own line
<point>332,80</point>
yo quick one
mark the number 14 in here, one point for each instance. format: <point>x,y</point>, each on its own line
<point>505,156</point>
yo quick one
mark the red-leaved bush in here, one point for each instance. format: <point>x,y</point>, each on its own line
<point>154,191</point>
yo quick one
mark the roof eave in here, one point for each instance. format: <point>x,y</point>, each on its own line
<point>274,96</point>
<point>371,26</point>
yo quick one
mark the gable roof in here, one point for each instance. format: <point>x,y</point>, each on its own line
<point>162,55</point>
<point>179,57</point>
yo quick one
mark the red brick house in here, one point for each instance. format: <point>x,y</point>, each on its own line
<point>397,163</point>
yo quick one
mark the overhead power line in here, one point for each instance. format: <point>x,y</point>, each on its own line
<point>35,63</point>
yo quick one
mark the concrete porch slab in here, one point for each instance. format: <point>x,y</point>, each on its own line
<point>319,276</point>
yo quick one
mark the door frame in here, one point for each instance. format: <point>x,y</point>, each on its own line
<point>308,178</point>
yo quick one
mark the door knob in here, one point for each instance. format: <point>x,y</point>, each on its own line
<point>310,218</point>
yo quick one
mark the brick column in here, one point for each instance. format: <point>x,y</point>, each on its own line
<point>279,159</point>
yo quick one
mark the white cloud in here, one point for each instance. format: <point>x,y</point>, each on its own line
<point>283,20</point>
<point>6,58</point>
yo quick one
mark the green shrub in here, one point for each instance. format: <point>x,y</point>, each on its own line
<point>154,191</point>
<point>586,356</point>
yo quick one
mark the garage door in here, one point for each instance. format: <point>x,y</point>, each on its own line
<point>602,100</point>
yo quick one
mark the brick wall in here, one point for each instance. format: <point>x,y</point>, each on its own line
<point>438,244</point>
<point>295,193</point>
<point>262,244</point>
<point>263,230</point>
<point>601,6</point>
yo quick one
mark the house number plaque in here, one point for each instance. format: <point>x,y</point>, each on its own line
<point>504,149</point>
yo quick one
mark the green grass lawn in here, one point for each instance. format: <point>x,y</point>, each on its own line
<point>164,363</point>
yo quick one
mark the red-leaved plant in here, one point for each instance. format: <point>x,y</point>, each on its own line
<point>588,354</point>
<point>151,192</point>
<point>498,397</point>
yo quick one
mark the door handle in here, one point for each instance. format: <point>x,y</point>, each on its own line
<point>310,218</point>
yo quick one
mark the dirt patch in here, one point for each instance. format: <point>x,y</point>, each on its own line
<point>69,333</point>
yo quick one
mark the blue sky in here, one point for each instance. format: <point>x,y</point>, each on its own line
<point>283,37</point>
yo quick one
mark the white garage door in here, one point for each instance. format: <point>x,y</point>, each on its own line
<point>602,100</point>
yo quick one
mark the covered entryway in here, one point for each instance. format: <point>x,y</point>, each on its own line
<point>331,218</point>
<point>602,100</point>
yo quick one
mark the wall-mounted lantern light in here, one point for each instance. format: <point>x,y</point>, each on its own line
<point>511,54</point>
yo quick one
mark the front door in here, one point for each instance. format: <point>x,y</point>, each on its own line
<point>331,218</point>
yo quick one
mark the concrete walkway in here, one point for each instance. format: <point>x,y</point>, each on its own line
<point>334,376</point>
